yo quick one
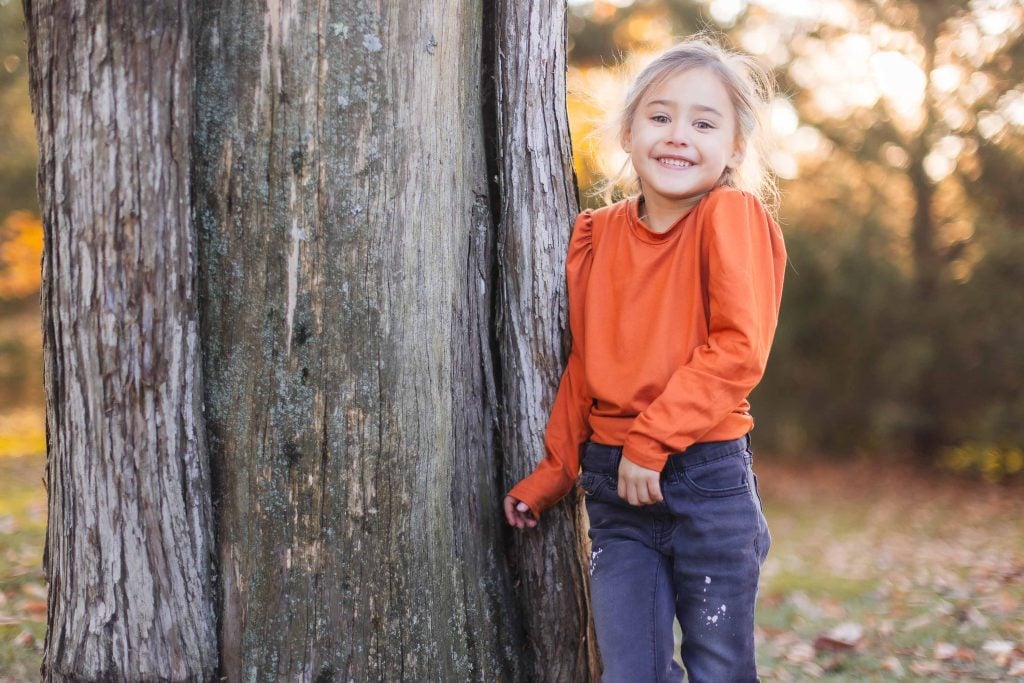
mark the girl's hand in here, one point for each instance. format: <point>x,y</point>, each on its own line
<point>519,514</point>
<point>638,485</point>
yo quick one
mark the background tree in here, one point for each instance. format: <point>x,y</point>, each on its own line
<point>899,126</point>
<point>333,178</point>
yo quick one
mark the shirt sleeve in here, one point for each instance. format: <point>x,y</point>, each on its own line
<point>569,424</point>
<point>746,259</point>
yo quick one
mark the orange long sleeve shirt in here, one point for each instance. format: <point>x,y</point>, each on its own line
<point>671,331</point>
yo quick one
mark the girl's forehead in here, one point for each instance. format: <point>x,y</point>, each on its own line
<point>697,85</point>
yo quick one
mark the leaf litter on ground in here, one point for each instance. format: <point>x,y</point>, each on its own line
<point>882,571</point>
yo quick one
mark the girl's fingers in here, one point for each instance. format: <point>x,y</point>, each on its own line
<point>510,512</point>
<point>518,514</point>
<point>636,495</point>
<point>526,514</point>
<point>638,485</point>
<point>644,492</point>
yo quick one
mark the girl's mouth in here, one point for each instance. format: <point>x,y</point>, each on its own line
<point>674,163</point>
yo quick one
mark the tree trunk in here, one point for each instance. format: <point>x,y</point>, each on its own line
<point>129,539</point>
<point>927,258</point>
<point>344,209</point>
<point>354,390</point>
<point>537,206</point>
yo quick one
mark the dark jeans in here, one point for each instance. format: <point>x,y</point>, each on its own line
<point>696,556</point>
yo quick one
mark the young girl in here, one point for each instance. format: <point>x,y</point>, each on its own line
<point>674,296</point>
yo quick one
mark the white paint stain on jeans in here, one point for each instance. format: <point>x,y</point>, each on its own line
<point>712,619</point>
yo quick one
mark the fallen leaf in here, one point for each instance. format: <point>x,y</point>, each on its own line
<point>1001,650</point>
<point>971,615</point>
<point>800,652</point>
<point>893,665</point>
<point>35,590</point>
<point>918,622</point>
<point>849,632</point>
<point>36,608</point>
<point>925,667</point>
<point>944,651</point>
<point>964,654</point>
<point>25,638</point>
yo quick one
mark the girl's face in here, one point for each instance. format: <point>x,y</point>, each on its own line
<point>683,137</point>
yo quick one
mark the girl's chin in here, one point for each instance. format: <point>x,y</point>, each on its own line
<point>677,194</point>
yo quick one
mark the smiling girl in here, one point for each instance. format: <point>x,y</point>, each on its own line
<point>674,295</point>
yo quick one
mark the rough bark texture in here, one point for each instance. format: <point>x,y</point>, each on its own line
<point>129,539</point>
<point>347,280</point>
<point>342,200</point>
<point>537,207</point>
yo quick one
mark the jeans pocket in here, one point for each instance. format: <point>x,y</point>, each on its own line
<point>594,483</point>
<point>719,478</point>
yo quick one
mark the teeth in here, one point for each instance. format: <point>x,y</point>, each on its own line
<point>675,162</point>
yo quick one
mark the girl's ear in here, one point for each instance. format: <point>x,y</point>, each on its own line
<point>738,152</point>
<point>625,139</point>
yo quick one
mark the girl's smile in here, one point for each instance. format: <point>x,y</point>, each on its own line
<point>675,162</point>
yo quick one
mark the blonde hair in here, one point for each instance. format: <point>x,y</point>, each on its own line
<point>750,89</point>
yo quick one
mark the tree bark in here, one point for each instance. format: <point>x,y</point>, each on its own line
<point>337,279</point>
<point>129,538</point>
<point>344,208</point>
<point>537,193</point>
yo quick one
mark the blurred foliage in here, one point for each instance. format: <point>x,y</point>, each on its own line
<point>900,129</point>
<point>901,147</point>
<point>17,132</point>
<point>995,464</point>
<point>21,233</point>
<point>21,241</point>
<point>21,374</point>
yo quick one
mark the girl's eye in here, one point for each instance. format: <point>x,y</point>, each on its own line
<point>659,118</point>
<point>704,125</point>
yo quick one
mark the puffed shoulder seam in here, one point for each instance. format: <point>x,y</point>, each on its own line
<point>583,228</point>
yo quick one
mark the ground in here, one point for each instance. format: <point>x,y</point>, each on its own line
<point>877,572</point>
<point>883,572</point>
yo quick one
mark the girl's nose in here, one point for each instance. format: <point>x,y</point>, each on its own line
<point>679,135</point>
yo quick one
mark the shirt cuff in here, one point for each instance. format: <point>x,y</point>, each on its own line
<point>644,451</point>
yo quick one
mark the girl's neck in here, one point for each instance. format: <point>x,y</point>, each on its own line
<point>659,215</point>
